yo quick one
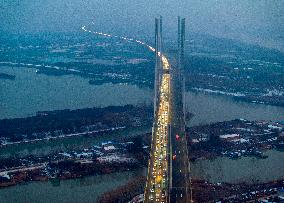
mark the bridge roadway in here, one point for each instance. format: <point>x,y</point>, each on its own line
<point>157,179</point>
<point>168,167</point>
<point>167,179</point>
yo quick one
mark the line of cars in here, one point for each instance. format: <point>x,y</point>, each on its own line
<point>158,179</point>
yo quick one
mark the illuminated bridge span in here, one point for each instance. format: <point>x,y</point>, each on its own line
<point>168,167</point>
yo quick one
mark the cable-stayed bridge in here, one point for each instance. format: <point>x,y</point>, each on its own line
<point>168,168</point>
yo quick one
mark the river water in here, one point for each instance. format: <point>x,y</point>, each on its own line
<point>83,190</point>
<point>214,108</point>
<point>246,169</point>
<point>31,92</point>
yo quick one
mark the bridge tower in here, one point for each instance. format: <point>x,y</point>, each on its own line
<point>158,62</point>
<point>155,176</point>
<point>180,64</point>
<point>168,166</point>
<point>179,187</point>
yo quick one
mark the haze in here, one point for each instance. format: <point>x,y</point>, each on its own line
<point>258,22</point>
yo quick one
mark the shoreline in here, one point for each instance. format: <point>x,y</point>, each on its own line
<point>233,146</point>
<point>90,133</point>
<point>49,125</point>
<point>272,100</point>
<point>30,175</point>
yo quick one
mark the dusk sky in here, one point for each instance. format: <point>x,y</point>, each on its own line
<point>152,101</point>
<point>259,22</point>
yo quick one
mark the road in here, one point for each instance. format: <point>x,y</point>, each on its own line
<point>24,168</point>
<point>168,167</point>
<point>157,180</point>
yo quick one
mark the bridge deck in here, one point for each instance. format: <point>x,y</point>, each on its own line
<point>157,179</point>
<point>168,168</point>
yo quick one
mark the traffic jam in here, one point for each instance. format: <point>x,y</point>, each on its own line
<point>159,166</point>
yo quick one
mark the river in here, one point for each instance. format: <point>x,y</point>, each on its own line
<point>83,190</point>
<point>246,169</point>
<point>31,92</point>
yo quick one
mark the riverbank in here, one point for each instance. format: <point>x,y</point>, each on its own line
<point>234,139</point>
<point>39,92</point>
<point>109,157</point>
<point>67,169</point>
<point>204,191</point>
<point>223,140</point>
<point>47,125</point>
<point>86,189</point>
<point>255,75</point>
